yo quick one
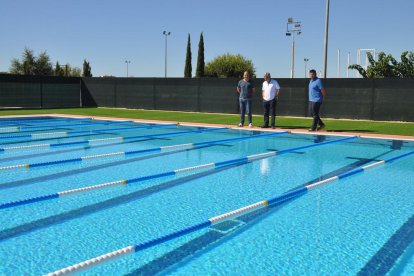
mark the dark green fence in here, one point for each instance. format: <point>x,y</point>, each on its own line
<point>375,99</point>
<point>39,92</point>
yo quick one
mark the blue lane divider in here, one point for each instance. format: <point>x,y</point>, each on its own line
<point>157,149</point>
<point>125,138</point>
<point>116,129</point>
<point>105,154</point>
<point>21,129</point>
<point>143,178</point>
<point>70,134</point>
<point>22,122</point>
<point>87,123</point>
<point>212,166</point>
<point>198,226</point>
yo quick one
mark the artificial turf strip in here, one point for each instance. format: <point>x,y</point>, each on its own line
<point>363,127</point>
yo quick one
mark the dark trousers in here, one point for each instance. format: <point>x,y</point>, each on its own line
<point>314,108</point>
<point>245,107</point>
<point>269,108</point>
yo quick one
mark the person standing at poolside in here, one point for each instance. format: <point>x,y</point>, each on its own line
<point>317,94</point>
<point>245,88</point>
<point>270,93</point>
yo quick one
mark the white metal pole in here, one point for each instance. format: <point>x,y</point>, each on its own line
<point>165,65</point>
<point>293,56</point>
<point>347,67</point>
<point>325,55</point>
<point>339,63</point>
<point>358,62</point>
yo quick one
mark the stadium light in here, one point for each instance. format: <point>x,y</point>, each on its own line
<point>166,34</point>
<point>293,27</point>
<point>127,62</point>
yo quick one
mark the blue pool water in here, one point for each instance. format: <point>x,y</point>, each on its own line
<point>360,224</point>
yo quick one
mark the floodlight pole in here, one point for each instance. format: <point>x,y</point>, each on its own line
<point>166,34</point>
<point>293,27</point>
<point>127,62</point>
<point>306,63</point>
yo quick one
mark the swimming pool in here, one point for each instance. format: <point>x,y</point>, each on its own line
<point>149,181</point>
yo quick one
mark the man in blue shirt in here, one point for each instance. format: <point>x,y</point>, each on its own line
<point>245,88</point>
<point>316,95</point>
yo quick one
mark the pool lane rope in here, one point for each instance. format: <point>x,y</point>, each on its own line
<point>61,134</point>
<point>111,154</point>
<point>212,221</point>
<point>22,122</point>
<point>120,138</point>
<point>36,128</point>
<point>211,166</point>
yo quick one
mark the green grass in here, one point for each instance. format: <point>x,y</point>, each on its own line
<point>364,127</point>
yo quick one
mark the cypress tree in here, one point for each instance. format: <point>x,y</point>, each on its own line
<point>200,58</point>
<point>188,68</point>
<point>86,69</point>
<point>58,70</point>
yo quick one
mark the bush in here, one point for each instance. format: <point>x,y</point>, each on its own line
<point>228,65</point>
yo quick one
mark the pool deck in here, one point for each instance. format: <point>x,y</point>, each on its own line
<point>293,130</point>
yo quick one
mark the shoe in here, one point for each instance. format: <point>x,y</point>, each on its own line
<point>311,129</point>
<point>240,125</point>
<point>320,127</point>
<point>273,127</point>
<point>250,125</point>
<point>264,126</point>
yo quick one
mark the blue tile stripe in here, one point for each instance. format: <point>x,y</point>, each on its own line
<point>316,145</point>
<point>28,201</point>
<point>287,196</point>
<point>143,178</point>
<point>399,157</point>
<point>172,235</point>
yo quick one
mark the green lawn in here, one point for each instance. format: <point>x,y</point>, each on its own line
<point>372,127</point>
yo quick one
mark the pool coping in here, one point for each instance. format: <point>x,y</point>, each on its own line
<point>290,130</point>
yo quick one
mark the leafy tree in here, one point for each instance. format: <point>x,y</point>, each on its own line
<point>406,66</point>
<point>228,65</point>
<point>67,70</point>
<point>75,72</point>
<point>26,66</point>
<point>59,70</point>
<point>31,65</point>
<point>200,58</point>
<point>188,68</point>
<point>86,69</point>
<point>43,66</point>
<point>387,67</point>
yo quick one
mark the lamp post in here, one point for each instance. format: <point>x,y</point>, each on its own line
<point>127,62</point>
<point>166,34</point>
<point>292,28</point>
<point>306,63</point>
<point>325,51</point>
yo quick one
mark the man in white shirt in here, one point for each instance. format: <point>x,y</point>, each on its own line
<point>270,92</point>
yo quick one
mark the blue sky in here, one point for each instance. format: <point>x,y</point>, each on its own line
<point>107,33</point>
